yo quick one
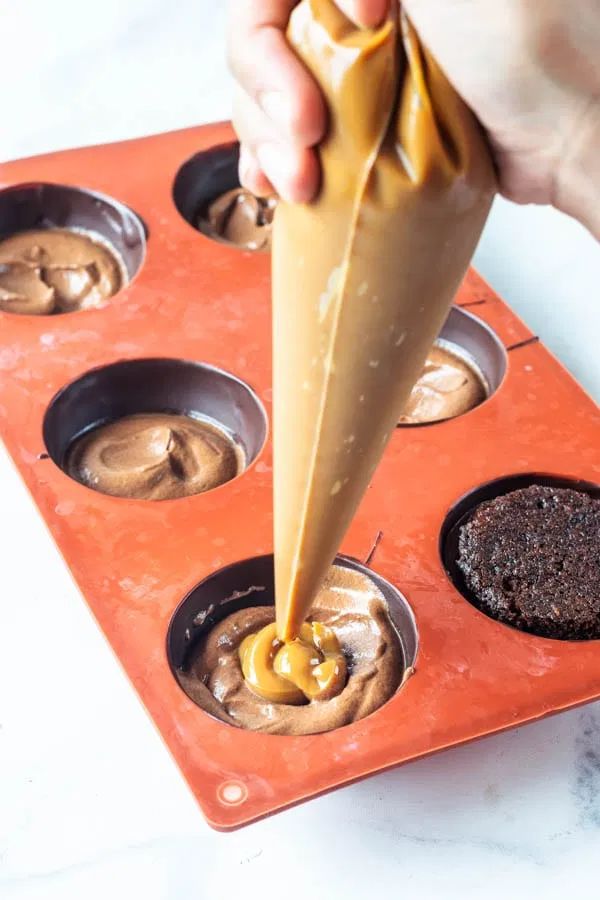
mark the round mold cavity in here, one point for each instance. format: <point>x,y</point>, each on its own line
<point>37,205</point>
<point>204,178</point>
<point>160,385</point>
<point>477,344</point>
<point>251,583</point>
<point>462,510</point>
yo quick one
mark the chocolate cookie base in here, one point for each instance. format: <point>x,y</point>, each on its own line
<point>531,559</point>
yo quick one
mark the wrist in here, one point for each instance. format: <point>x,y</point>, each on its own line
<point>577,185</point>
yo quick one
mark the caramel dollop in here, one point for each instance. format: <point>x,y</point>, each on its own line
<point>56,270</point>
<point>310,667</point>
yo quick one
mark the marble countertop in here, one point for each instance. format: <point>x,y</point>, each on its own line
<point>91,803</point>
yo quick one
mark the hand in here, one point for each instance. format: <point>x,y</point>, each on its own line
<point>528,70</point>
<point>279,113</point>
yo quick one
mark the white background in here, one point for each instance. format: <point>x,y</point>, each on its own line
<point>90,803</point>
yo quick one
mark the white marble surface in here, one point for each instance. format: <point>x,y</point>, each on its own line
<point>90,803</point>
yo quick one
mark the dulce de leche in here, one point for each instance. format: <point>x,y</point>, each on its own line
<point>310,667</point>
<point>363,276</point>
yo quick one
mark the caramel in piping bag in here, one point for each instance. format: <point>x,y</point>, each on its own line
<point>363,277</point>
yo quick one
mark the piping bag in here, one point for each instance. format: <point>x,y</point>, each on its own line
<point>363,276</point>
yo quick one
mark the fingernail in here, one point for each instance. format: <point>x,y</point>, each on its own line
<point>366,15</point>
<point>275,164</point>
<point>244,165</point>
<point>277,107</point>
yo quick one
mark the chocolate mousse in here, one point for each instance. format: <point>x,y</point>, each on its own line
<point>348,608</point>
<point>57,270</point>
<point>154,456</point>
<point>449,386</point>
<point>239,217</point>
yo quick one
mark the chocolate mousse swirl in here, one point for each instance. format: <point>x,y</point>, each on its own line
<point>449,386</point>
<point>155,456</point>
<point>240,218</point>
<point>56,270</point>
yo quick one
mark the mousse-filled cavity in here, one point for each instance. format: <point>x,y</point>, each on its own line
<point>208,195</point>
<point>449,386</point>
<point>531,559</point>
<point>239,217</point>
<point>155,428</point>
<point>57,270</point>
<point>156,456</point>
<point>352,606</point>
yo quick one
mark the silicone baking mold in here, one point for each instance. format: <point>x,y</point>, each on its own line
<point>195,300</point>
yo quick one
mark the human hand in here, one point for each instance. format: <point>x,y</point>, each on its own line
<point>528,70</point>
<point>279,113</point>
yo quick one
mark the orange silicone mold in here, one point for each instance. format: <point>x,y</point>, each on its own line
<point>198,300</point>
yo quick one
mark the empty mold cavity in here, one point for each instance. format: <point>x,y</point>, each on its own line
<point>475,344</point>
<point>106,221</point>
<point>250,583</point>
<point>460,514</point>
<point>151,386</point>
<point>242,221</point>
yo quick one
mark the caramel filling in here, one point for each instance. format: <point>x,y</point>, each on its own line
<point>310,667</point>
